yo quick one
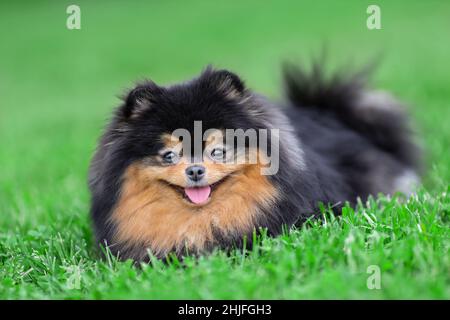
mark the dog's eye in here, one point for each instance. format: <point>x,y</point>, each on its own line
<point>218,153</point>
<point>170,157</point>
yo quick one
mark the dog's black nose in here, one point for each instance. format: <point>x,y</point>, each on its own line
<point>195,173</point>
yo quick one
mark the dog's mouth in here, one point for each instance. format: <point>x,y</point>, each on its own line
<point>198,195</point>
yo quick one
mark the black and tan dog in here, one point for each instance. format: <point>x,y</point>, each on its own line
<point>337,141</point>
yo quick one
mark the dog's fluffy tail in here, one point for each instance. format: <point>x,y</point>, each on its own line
<point>374,114</point>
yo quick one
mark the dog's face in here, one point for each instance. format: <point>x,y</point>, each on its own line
<point>196,179</point>
<point>176,195</point>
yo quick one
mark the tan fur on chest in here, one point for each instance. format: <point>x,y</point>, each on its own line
<point>151,213</point>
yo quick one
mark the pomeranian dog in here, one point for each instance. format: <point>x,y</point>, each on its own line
<point>332,142</point>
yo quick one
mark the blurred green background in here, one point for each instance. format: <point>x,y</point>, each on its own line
<point>58,86</point>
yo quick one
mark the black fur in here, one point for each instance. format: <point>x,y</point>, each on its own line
<point>334,146</point>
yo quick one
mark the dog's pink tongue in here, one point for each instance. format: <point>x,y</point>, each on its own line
<point>198,195</point>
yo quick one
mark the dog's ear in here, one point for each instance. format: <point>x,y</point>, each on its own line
<point>139,99</point>
<point>225,82</point>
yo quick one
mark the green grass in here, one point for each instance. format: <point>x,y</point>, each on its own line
<point>57,88</point>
